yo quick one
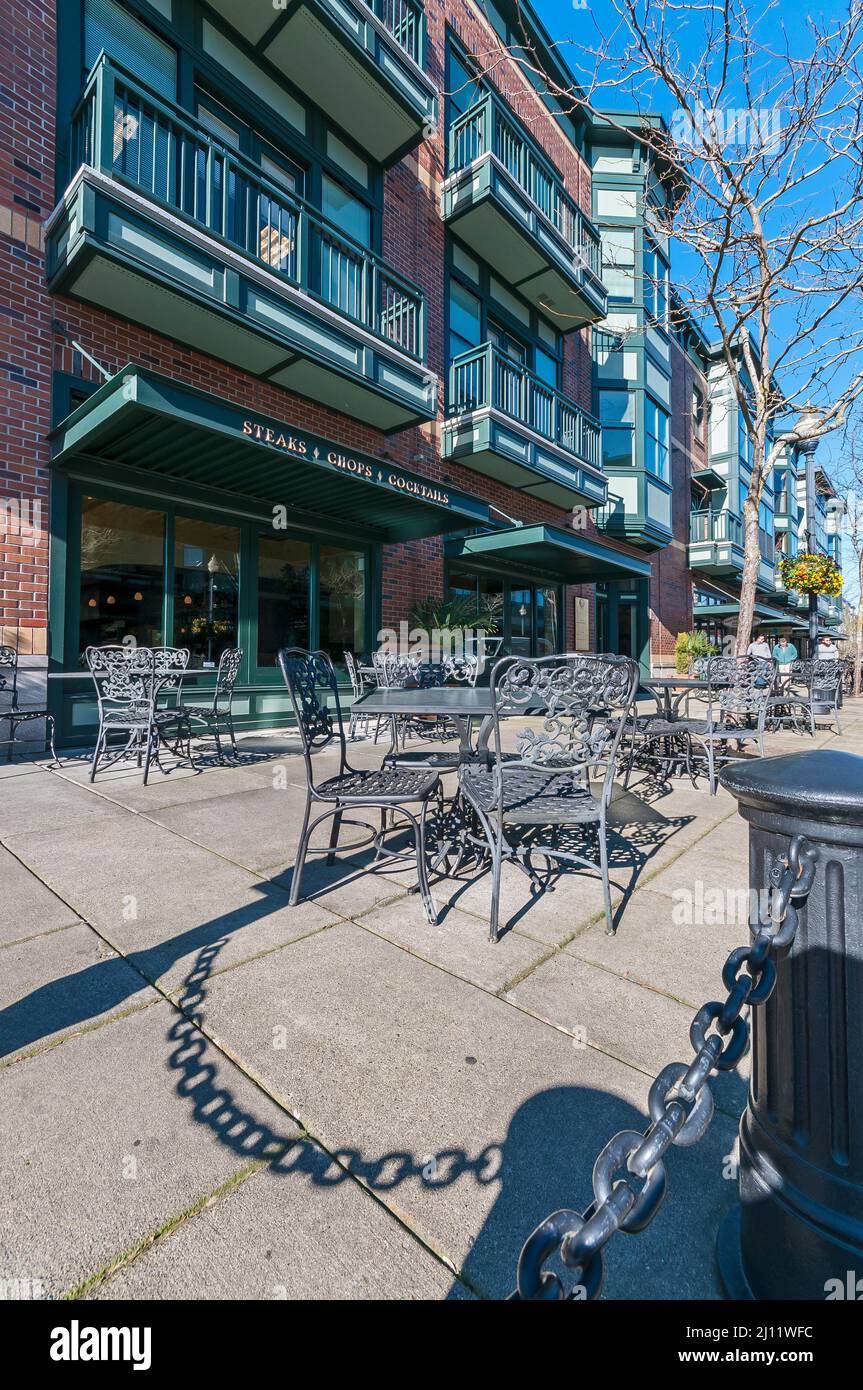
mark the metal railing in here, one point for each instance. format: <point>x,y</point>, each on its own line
<point>150,144</point>
<point>488,128</point>
<point>715,526</point>
<point>485,377</point>
<point>405,21</point>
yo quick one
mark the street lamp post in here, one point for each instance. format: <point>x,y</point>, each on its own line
<point>806,426</point>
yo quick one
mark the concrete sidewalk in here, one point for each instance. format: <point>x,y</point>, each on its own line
<point>209,1094</point>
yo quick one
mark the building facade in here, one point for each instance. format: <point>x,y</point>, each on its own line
<point>315,311</point>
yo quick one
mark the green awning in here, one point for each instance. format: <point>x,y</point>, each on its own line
<point>141,425</point>
<point>709,478</point>
<point>730,610</point>
<point>548,551</point>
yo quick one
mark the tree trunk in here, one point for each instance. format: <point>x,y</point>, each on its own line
<point>749,577</point>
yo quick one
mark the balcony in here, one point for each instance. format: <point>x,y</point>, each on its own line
<point>163,226</point>
<point>715,542</point>
<point>361,63</point>
<point>507,202</point>
<point>506,423</point>
<point>638,509</point>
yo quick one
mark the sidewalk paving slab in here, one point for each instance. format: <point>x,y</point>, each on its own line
<point>114,1134</point>
<point>502,1112</point>
<point>159,899</point>
<point>38,803</point>
<point>62,983</point>
<point>298,1229</point>
<point>27,907</point>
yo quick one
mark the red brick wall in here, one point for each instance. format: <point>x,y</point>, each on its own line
<point>413,242</point>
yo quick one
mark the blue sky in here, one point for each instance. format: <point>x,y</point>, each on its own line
<point>576,29</point>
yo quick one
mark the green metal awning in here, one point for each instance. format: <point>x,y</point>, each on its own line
<point>141,425</point>
<point>730,610</point>
<point>709,478</point>
<point>564,556</point>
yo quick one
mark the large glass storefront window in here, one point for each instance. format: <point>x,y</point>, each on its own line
<point>122,567</point>
<point>528,615</point>
<point>342,601</point>
<point>284,568</point>
<point>206,588</point>
<point>547,621</point>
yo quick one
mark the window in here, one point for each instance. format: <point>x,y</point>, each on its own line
<point>350,214</point>
<point>655,439</point>
<point>698,413</point>
<point>617,416</point>
<point>618,261</point>
<point>655,285</point>
<point>464,89</point>
<point>122,574</point>
<point>206,584</point>
<point>616,202</point>
<point>465,319</point>
<point>131,44</point>
<point>284,566</point>
<point>342,601</point>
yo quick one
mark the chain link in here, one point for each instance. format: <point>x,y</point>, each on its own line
<point>630,1179</point>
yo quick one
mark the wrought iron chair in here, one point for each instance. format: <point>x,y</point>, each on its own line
<point>530,803</point>
<point>211,715</point>
<point>814,692</point>
<point>312,686</point>
<point>430,729</point>
<point>738,696</point>
<point>128,681</point>
<point>358,689</point>
<point>12,711</point>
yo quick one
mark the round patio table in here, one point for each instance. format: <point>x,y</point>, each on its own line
<point>663,685</point>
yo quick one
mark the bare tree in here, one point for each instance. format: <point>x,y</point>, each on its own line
<point>852,480</point>
<point>763,155</point>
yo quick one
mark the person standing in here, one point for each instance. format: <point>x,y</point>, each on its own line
<point>827,649</point>
<point>759,646</point>
<point>784,652</point>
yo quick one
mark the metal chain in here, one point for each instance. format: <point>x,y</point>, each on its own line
<point>629,1176</point>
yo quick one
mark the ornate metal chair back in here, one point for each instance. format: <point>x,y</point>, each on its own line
<point>125,679</point>
<point>314,691</point>
<point>353,675</point>
<point>171,664</point>
<point>8,679</point>
<point>825,678</point>
<point>739,685</point>
<point>463,669</point>
<point>583,702</point>
<point>226,679</point>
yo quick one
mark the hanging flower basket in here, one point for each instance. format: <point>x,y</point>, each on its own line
<point>811,574</point>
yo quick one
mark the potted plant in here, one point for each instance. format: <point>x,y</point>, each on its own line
<point>689,648</point>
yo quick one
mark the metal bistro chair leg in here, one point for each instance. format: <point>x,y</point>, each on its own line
<point>422,869</point>
<point>300,861</point>
<point>496,869</point>
<point>606,883</point>
<point>96,752</point>
<point>334,837</point>
<point>229,720</point>
<point>151,731</point>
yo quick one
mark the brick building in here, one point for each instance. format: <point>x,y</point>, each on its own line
<point>299,329</point>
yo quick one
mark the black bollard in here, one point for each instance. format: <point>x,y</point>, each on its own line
<point>798,1230</point>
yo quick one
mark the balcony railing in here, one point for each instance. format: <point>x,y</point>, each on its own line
<point>715,526</point>
<point>485,377</point>
<point>141,140</point>
<point>405,21</point>
<point>488,128</point>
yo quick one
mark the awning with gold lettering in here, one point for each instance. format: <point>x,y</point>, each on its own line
<point>145,432</point>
